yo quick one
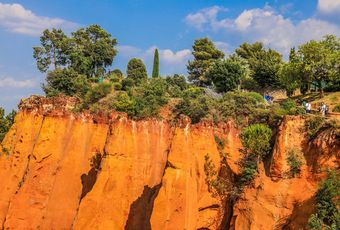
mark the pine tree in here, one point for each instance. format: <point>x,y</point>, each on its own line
<point>155,70</point>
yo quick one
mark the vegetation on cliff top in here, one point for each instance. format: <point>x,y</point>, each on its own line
<point>217,87</point>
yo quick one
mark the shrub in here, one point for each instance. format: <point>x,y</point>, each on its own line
<point>97,92</point>
<point>194,104</point>
<point>123,103</point>
<point>65,81</point>
<point>6,122</point>
<point>176,85</point>
<point>313,125</point>
<point>256,139</point>
<point>220,142</point>
<point>294,162</point>
<point>248,170</point>
<point>336,109</point>
<point>327,204</point>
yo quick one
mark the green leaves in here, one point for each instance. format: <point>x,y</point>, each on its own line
<point>256,139</point>
<point>205,54</point>
<point>155,69</point>
<point>136,71</point>
<point>5,122</point>
<point>88,51</point>
<point>327,204</point>
<point>225,75</point>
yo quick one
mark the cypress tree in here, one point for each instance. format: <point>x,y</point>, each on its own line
<point>155,70</point>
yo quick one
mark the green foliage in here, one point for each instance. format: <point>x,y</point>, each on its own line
<point>155,68</point>
<point>220,142</point>
<point>89,51</point>
<point>295,162</point>
<point>92,51</point>
<point>136,71</point>
<point>290,74</point>
<point>6,122</point>
<point>194,103</point>
<point>218,184</point>
<point>205,54</point>
<point>320,61</point>
<point>65,81</point>
<point>176,85</point>
<point>248,166</point>
<point>225,74</point>
<point>313,125</point>
<point>336,108</point>
<point>256,139</point>
<point>95,93</point>
<point>53,50</point>
<point>264,64</point>
<point>124,103</point>
<point>142,101</point>
<point>327,204</point>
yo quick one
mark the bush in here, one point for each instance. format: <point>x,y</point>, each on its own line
<point>336,109</point>
<point>97,92</point>
<point>313,125</point>
<point>123,103</point>
<point>248,170</point>
<point>327,204</point>
<point>256,139</point>
<point>294,162</point>
<point>194,104</point>
<point>6,122</point>
<point>65,81</point>
<point>176,85</point>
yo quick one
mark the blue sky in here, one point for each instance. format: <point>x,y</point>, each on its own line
<point>142,25</point>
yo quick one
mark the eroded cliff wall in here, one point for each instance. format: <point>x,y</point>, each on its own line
<point>64,171</point>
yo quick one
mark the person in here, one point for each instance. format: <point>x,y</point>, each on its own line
<point>308,107</point>
<point>323,108</point>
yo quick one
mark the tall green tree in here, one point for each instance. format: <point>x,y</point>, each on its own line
<point>264,63</point>
<point>290,74</point>
<point>136,71</point>
<point>155,69</point>
<point>53,49</point>
<point>226,75</point>
<point>205,54</point>
<point>320,61</point>
<point>93,50</point>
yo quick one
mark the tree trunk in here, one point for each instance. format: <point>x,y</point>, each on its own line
<point>54,58</point>
<point>321,90</point>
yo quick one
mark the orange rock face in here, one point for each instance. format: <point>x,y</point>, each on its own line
<point>61,171</point>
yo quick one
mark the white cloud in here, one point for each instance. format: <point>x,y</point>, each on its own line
<point>9,82</point>
<point>206,16</point>
<point>329,6</point>
<point>17,19</point>
<point>272,28</point>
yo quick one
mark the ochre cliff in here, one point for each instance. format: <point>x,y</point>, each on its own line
<point>60,170</point>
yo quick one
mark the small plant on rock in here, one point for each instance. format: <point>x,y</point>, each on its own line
<point>294,162</point>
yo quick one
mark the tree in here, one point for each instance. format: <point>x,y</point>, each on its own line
<point>136,71</point>
<point>155,70</point>
<point>65,81</point>
<point>320,61</point>
<point>53,49</point>
<point>205,54</point>
<point>225,75</point>
<point>93,49</point>
<point>290,74</point>
<point>327,204</point>
<point>264,63</point>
